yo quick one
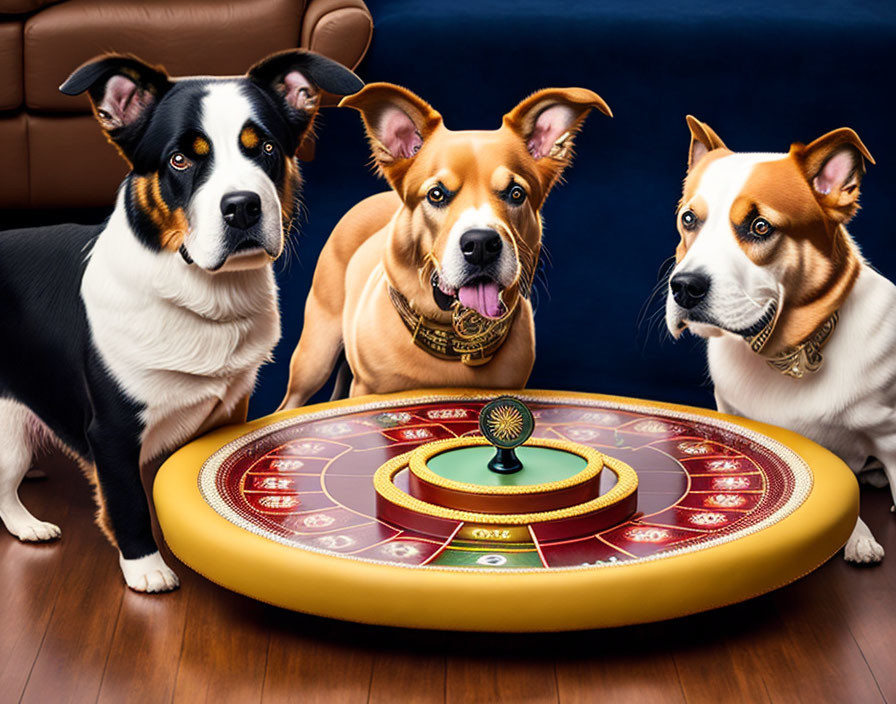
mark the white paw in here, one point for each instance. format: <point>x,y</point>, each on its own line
<point>35,531</point>
<point>863,550</point>
<point>148,574</point>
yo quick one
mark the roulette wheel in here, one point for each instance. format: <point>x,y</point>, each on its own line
<point>467,510</point>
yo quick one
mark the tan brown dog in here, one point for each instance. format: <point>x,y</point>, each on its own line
<point>427,285</point>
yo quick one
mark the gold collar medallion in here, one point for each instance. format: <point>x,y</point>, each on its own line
<point>801,359</point>
<point>471,339</point>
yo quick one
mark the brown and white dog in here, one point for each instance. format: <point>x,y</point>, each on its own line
<point>427,285</point>
<point>801,329</point>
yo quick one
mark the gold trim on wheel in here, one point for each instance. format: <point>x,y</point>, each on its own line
<point>418,459</point>
<point>383,482</point>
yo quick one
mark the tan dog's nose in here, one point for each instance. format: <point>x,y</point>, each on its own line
<point>480,247</point>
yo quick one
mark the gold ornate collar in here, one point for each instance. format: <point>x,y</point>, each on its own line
<point>801,359</point>
<point>471,339</point>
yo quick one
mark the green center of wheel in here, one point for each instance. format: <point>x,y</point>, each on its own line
<point>540,466</point>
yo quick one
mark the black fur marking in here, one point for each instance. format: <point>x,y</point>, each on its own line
<point>744,229</point>
<point>325,73</point>
<point>176,119</point>
<point>268,77</point>
<point>271,163</point>
<point>174,126</point>
<point>41,360</point>
<point>281,123</point>
<point>48,363</point>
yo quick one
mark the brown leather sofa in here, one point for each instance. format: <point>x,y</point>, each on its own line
<point>52,153</point>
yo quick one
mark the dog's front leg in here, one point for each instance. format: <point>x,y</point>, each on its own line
<point>722,406</point>
<point>862,547</point>
<point>316,354</point>
<point>123,507</point>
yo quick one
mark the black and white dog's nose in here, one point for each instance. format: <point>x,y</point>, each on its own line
<point>480,247</point>
<point>689,288</point>
<point>241,209</point>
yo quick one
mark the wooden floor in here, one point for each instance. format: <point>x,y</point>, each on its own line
<point>70,631</point>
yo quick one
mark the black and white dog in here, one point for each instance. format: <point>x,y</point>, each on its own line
<point>124,340</point>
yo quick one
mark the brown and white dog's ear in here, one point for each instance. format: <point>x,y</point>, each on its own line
<point>703,140</point>
<point>295,79</point>
<point>834,165</point>
<point>123,91</point>
<point>398,124</point>
<point>548,122</point>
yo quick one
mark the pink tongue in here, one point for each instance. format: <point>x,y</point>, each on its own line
<point>482,297</point>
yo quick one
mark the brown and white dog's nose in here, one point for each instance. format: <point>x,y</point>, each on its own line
<point>241,209</point>
<point>689,288</point>
<point>480,247</point>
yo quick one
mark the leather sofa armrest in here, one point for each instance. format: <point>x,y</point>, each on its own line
<point>338,29</point>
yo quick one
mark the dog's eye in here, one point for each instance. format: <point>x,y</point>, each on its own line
<point>516,194</point>
<point>268,147</point>
<point>436,195</point>
<point>688,220</point>
<point>761,227</point>
<point>179,161</point>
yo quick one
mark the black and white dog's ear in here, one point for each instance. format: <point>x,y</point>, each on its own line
<point>296,77</point>
<point>123,91</point>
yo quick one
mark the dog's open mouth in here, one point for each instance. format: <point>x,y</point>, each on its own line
<point>482,294</point>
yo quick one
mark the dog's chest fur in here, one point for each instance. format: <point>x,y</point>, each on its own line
<point>849,403</point>
<point>179,341</point>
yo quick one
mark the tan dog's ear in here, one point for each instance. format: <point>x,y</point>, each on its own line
<point>398,124</point>
<point>834,165</point>
<point>548,122</point>
<point>703,141</point>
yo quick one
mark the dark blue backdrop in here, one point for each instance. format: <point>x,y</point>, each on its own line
<point>762,73</point>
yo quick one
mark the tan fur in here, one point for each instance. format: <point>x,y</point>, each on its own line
<point>172,225</point>
<point>291,182</point>
<point>818,259</point>
<point>395,239</point>
<point>249,137</point>
<point>101,517</point>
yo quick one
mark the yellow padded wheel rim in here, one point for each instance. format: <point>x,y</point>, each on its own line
<point>527,600</point>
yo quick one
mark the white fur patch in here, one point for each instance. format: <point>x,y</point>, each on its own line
<point>848,405</point>
<point>176,338</point>
<point>225,111</point>
<point>740,291</point>
<point>454,268</point>
<point>21,433</point>
<point>148,574</point>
